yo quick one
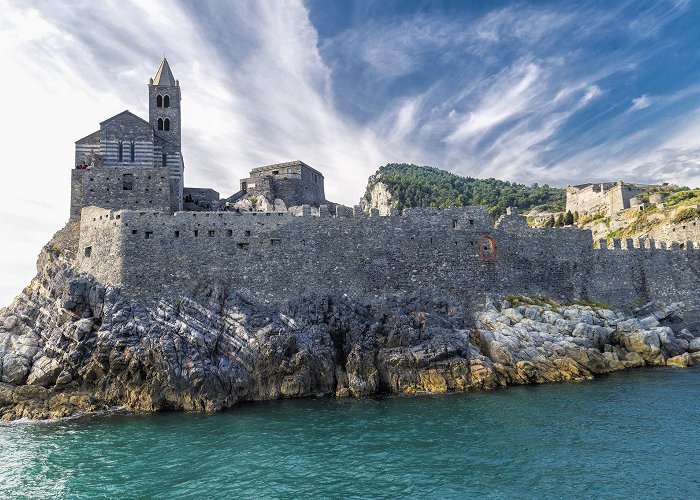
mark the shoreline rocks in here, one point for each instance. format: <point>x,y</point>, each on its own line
<point>69,345</point>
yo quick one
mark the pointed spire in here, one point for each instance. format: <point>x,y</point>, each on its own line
<point>164,76</point>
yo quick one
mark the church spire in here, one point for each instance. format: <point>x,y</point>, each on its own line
<point>164,76</point>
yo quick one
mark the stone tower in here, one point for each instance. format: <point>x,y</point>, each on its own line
<point>164,105</point>
<point>164,114</point>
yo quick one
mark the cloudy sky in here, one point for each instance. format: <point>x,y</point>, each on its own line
<point>557,92</point>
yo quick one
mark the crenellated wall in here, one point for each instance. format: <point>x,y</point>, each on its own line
<point>457,252</point>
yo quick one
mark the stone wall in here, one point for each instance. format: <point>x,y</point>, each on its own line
<point>455,252</point>
<point>150,189</point>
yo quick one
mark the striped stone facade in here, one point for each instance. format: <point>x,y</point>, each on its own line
<point>126,141</point>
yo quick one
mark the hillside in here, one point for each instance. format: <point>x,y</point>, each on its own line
<point>673,220</point>
<point>400,185</point>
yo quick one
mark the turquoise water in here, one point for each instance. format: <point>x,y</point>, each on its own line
<point>634,434</point>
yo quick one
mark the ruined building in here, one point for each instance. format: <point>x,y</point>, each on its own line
<point>606,198</point>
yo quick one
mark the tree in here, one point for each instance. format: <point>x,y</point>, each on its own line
<point>560,221</point>
<point>549,222</point>
<point>568,218</point>
<point>576,216</point>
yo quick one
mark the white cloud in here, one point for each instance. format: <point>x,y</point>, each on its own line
<point>640,102</point>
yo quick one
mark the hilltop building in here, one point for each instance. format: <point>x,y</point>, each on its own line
<point>607,198</point>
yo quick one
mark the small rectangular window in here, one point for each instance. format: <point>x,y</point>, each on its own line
<point>177,234</point>
<point>134,231</point>
<point>454,224</point>
<point>88,251</point>
<point>196,232</point>
<point>275,241</point>
<point>127,182</point>
<point>148,234</point>
<point>275,172</point>
<point>119,216</point>
<point>211,233</point>
<point>471,222</point>
<point>247,233</point>
<point>243,245</point>
<point>229,232</point>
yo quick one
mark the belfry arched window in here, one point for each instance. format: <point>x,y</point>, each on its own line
<point>120,146</point>
<point>166,101</point>
<point>166,125</point>
<point>159,101</point>
<point>160,124</point>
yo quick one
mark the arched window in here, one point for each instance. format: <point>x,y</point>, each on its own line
<point>160,124</point>
<point>167,124</point>
<point>121,150</point>
<point>165,160</point>
<point>133,152</point>
<point>166,101</point>
<point>159,101</point>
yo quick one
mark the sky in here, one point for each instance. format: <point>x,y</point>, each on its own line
<point>547,92</point>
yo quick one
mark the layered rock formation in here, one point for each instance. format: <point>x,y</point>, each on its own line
<point>70,345</point>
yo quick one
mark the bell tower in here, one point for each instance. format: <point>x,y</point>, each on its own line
<point>164,117</point>
<point>164,105</point>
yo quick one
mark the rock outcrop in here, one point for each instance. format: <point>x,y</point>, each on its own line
<point>70,345</point>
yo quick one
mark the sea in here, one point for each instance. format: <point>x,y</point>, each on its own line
<point>633,434</point>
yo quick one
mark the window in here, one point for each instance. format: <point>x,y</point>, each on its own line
<point>177,234</point>
<point>471,222</point>
<point>275,241</point>
<point>121,150</point>
<point>247,233</point>
<point>196,232</point>
<point>133,152</point>
<point>165,159</point>
<point>166,101</point>
<point>454,224</point>
<point>212,233</point>
<point>166,124</point>
<point>148,234</point>
<point>127,182</point>
<point>134,231</point>
<point>88,251</point>
<point>160,124</point>
<point>159,101</point>
<point>243,246</point>
<point>229,233</point>
<point>275,172</point>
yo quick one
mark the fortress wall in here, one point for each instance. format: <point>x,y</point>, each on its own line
<point>688,231</point>
<point>587,200</point>
<point>100,250</point>
<point>104,187</point>
<point>278,256</point>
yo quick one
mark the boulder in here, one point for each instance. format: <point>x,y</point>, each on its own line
<point>44,372</point>
<point>684,360</point>
<point>694,345</point>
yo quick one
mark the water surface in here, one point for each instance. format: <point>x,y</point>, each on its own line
<point>633,434</point>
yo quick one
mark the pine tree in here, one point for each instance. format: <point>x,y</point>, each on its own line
<point>560,221</point>
<point>568,218</point>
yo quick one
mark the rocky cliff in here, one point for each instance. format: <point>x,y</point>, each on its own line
<point>69,344</point>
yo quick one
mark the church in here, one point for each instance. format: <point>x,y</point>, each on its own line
<point>146,152</point>
<point>136,164</point>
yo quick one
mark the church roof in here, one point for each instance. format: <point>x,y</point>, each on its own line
<point>164,76</point>
<point>124,113</point>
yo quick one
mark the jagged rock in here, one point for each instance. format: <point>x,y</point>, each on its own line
<point>211,350</point>
<point>682,360</point>
<point>694,345</point>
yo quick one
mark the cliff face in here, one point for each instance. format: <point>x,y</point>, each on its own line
<point>69,345</point>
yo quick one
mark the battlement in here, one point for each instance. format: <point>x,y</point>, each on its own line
<point>458,251</point>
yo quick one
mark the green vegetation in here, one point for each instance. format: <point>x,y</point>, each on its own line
<point>683,197</point>
<point>415,186</point>
<point>686,215</point>
<point>548,303</point>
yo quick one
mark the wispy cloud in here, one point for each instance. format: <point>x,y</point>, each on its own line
<point>641,102</point>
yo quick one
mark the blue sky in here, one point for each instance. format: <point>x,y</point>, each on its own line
<point>556,92</point>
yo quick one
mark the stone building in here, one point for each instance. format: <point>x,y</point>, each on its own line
<point>607,198</point>
<point>294,182</point>
<point>131,162</point>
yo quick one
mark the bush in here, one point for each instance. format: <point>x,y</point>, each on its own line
<point>686,215</point>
